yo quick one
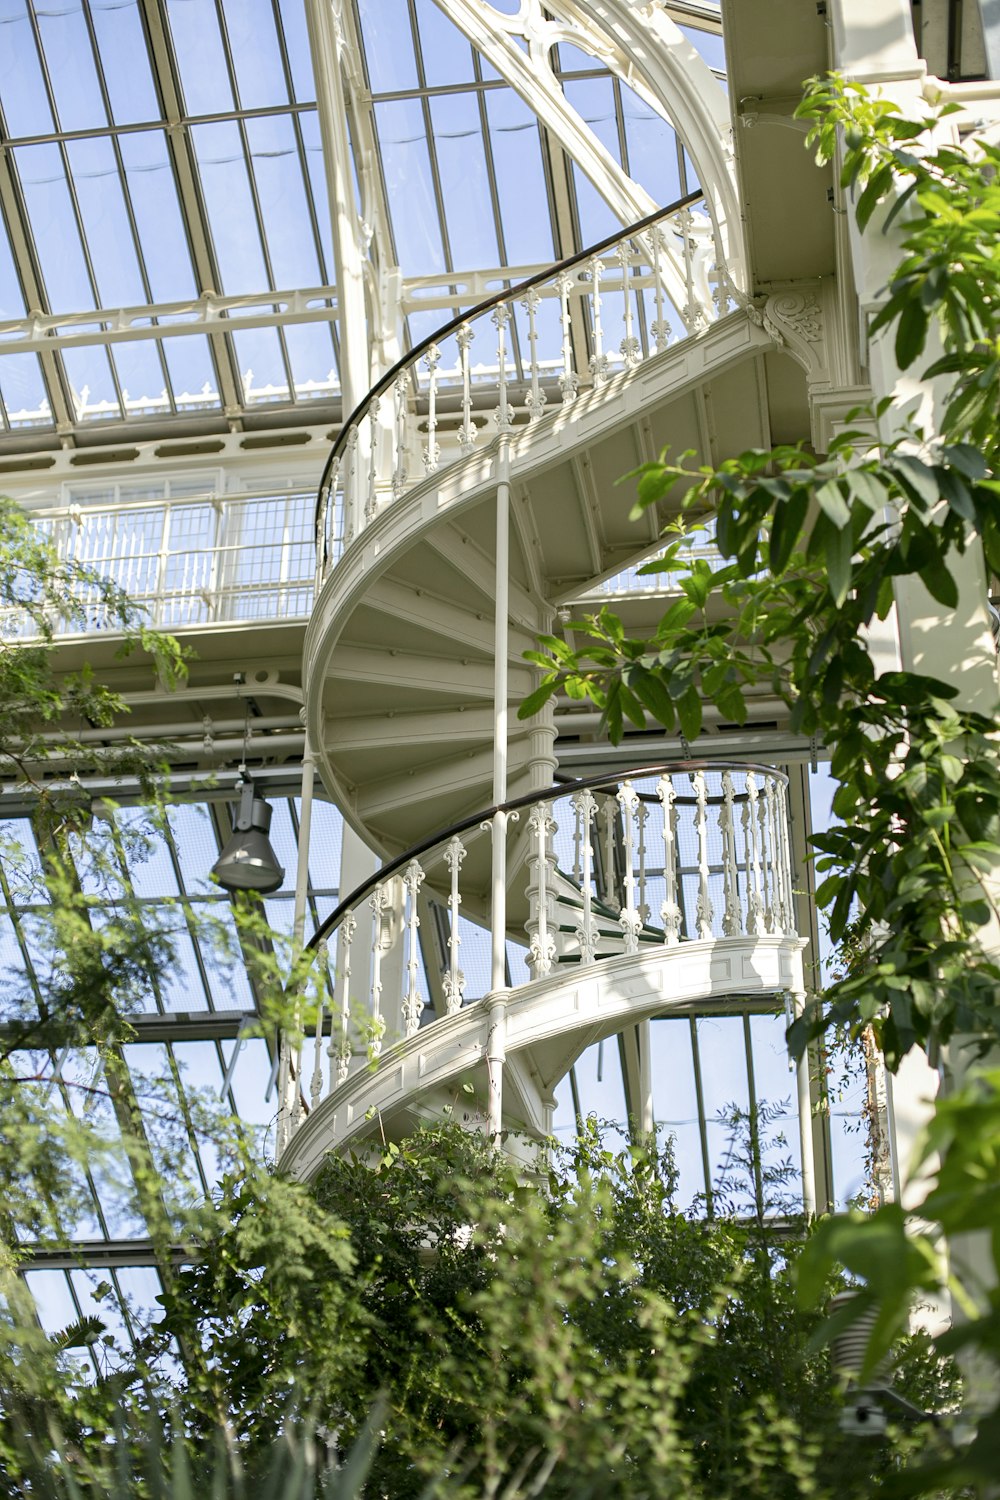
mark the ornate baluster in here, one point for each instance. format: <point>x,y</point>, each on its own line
<point>503,416</point>
<point>630,921</point>
<point>378,901</point>
<point>569,380</point>
<point>598,360</point>
<point>660,329</point>
<point>789,924</point>
<point>535,398</point>
<point>467,432</point>
<point>694,313</point>
<point>351,485</point>
<point>641,818</point>
<point>340,1057</point>
<point>606,818</point>
<point>731,924</point>
<point>585,806</point>
<point>323,548</point>
<point>767,908</point>
<point>776,916</point>
<point>751,837</point>
<point>704,905</point>
<point>371,504</point>
<point>413,1003</point>
<point>631,350</point>
<point>670,911</point>
<point>399,472</point>
<point>432,453</point>
<point>454,980</point>
<point>316,1082</point>
<point>542,949</point>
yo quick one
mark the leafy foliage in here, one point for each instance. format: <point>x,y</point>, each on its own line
<point>813,552</point>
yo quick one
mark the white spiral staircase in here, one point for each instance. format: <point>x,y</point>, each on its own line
<point>669,887</point>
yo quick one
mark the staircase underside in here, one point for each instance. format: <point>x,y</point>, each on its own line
<point>548,1025</point>
<point>399,652</point>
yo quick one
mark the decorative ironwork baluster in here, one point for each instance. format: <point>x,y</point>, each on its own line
<point>322,522</point>
<point>660,329</point>
<point>378,901</point>
<point>503,416</point>
<point>694,313</point>
<point>704,904</point>
<point>399,472</point>
<point>670,911</point>
<point>598,360</point>
<point>585,806</point>
<point>569,380</point>
<point>778,916</point>
<point>641,818</point>
<point>371,504</point>
<point>542,948</point>
<point>629,919</point>
<point>767,911</point>
<point>751,842</point>
<point>786,858</point>
<point>535,398</point>
<point>432,453</point>
<point>468,430</point>
<point>413,1002</point>
<point>606,817</point>
<point>351,485</point>
<point>631,350</point>
<point>731,917</point>
<point>340,1057</point>
<point>454,981</point>
<point>316,1082</point>
<point>577,837</point>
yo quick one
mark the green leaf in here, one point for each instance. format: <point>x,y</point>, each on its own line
<point>786,528</point>
<point>536,700</point>
<point>911,333</point>
<point>689,713</point>
<point>939,583</point>
<point>833,504</point>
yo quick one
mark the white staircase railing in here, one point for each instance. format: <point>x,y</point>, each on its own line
<point>662,856</point>
<point>526,350</point>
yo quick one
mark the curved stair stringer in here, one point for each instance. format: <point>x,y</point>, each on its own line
<point>399,647</point>
<point>549,1023</point>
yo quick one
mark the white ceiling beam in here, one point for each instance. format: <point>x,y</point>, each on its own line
<point>328,48</point>
<point>40,332</point>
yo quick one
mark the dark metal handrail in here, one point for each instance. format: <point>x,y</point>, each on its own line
<point>493,300</point>
<point>528,799</point>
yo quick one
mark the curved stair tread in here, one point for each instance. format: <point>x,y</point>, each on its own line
<point>556,1018</point>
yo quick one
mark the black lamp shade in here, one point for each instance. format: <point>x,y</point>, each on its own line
<point>248,863</point>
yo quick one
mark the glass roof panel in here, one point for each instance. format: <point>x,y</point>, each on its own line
<point>388,45</point>
<point>445,54</point>
<point>121,45</point>
<point>256,56</point>
<point>108,233</point>
<point>201,57</point>
<point>232,217</point>
<point>294,37</point>
<point>156,210</point>
<point>54,228</point>
<point>26,108</point>
<point>140,374</point>
<point>651,143</point>
<point>515,142</point>
<point>409,185</point>
<point>465,184</point>
<point>285,210</point>
<point>22,392</point>
<point>192,372</point>
<point>69,61</point>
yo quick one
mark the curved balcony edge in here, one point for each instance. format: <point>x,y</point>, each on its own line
<point>572,1011</point>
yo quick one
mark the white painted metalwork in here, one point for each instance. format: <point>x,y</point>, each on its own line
<point>413,1002</point>
<point>535,368</point>
<point>703,817</point>
<point>190,561</point>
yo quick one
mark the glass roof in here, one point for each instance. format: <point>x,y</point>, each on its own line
<point>164,157</point>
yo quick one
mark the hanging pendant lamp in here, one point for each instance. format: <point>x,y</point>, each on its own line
<point>248,863</point>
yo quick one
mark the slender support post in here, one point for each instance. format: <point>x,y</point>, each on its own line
<point>496,1049</point>
<point>289,1087</point>
<point>805,1119</point>
<point>644,1040</point>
